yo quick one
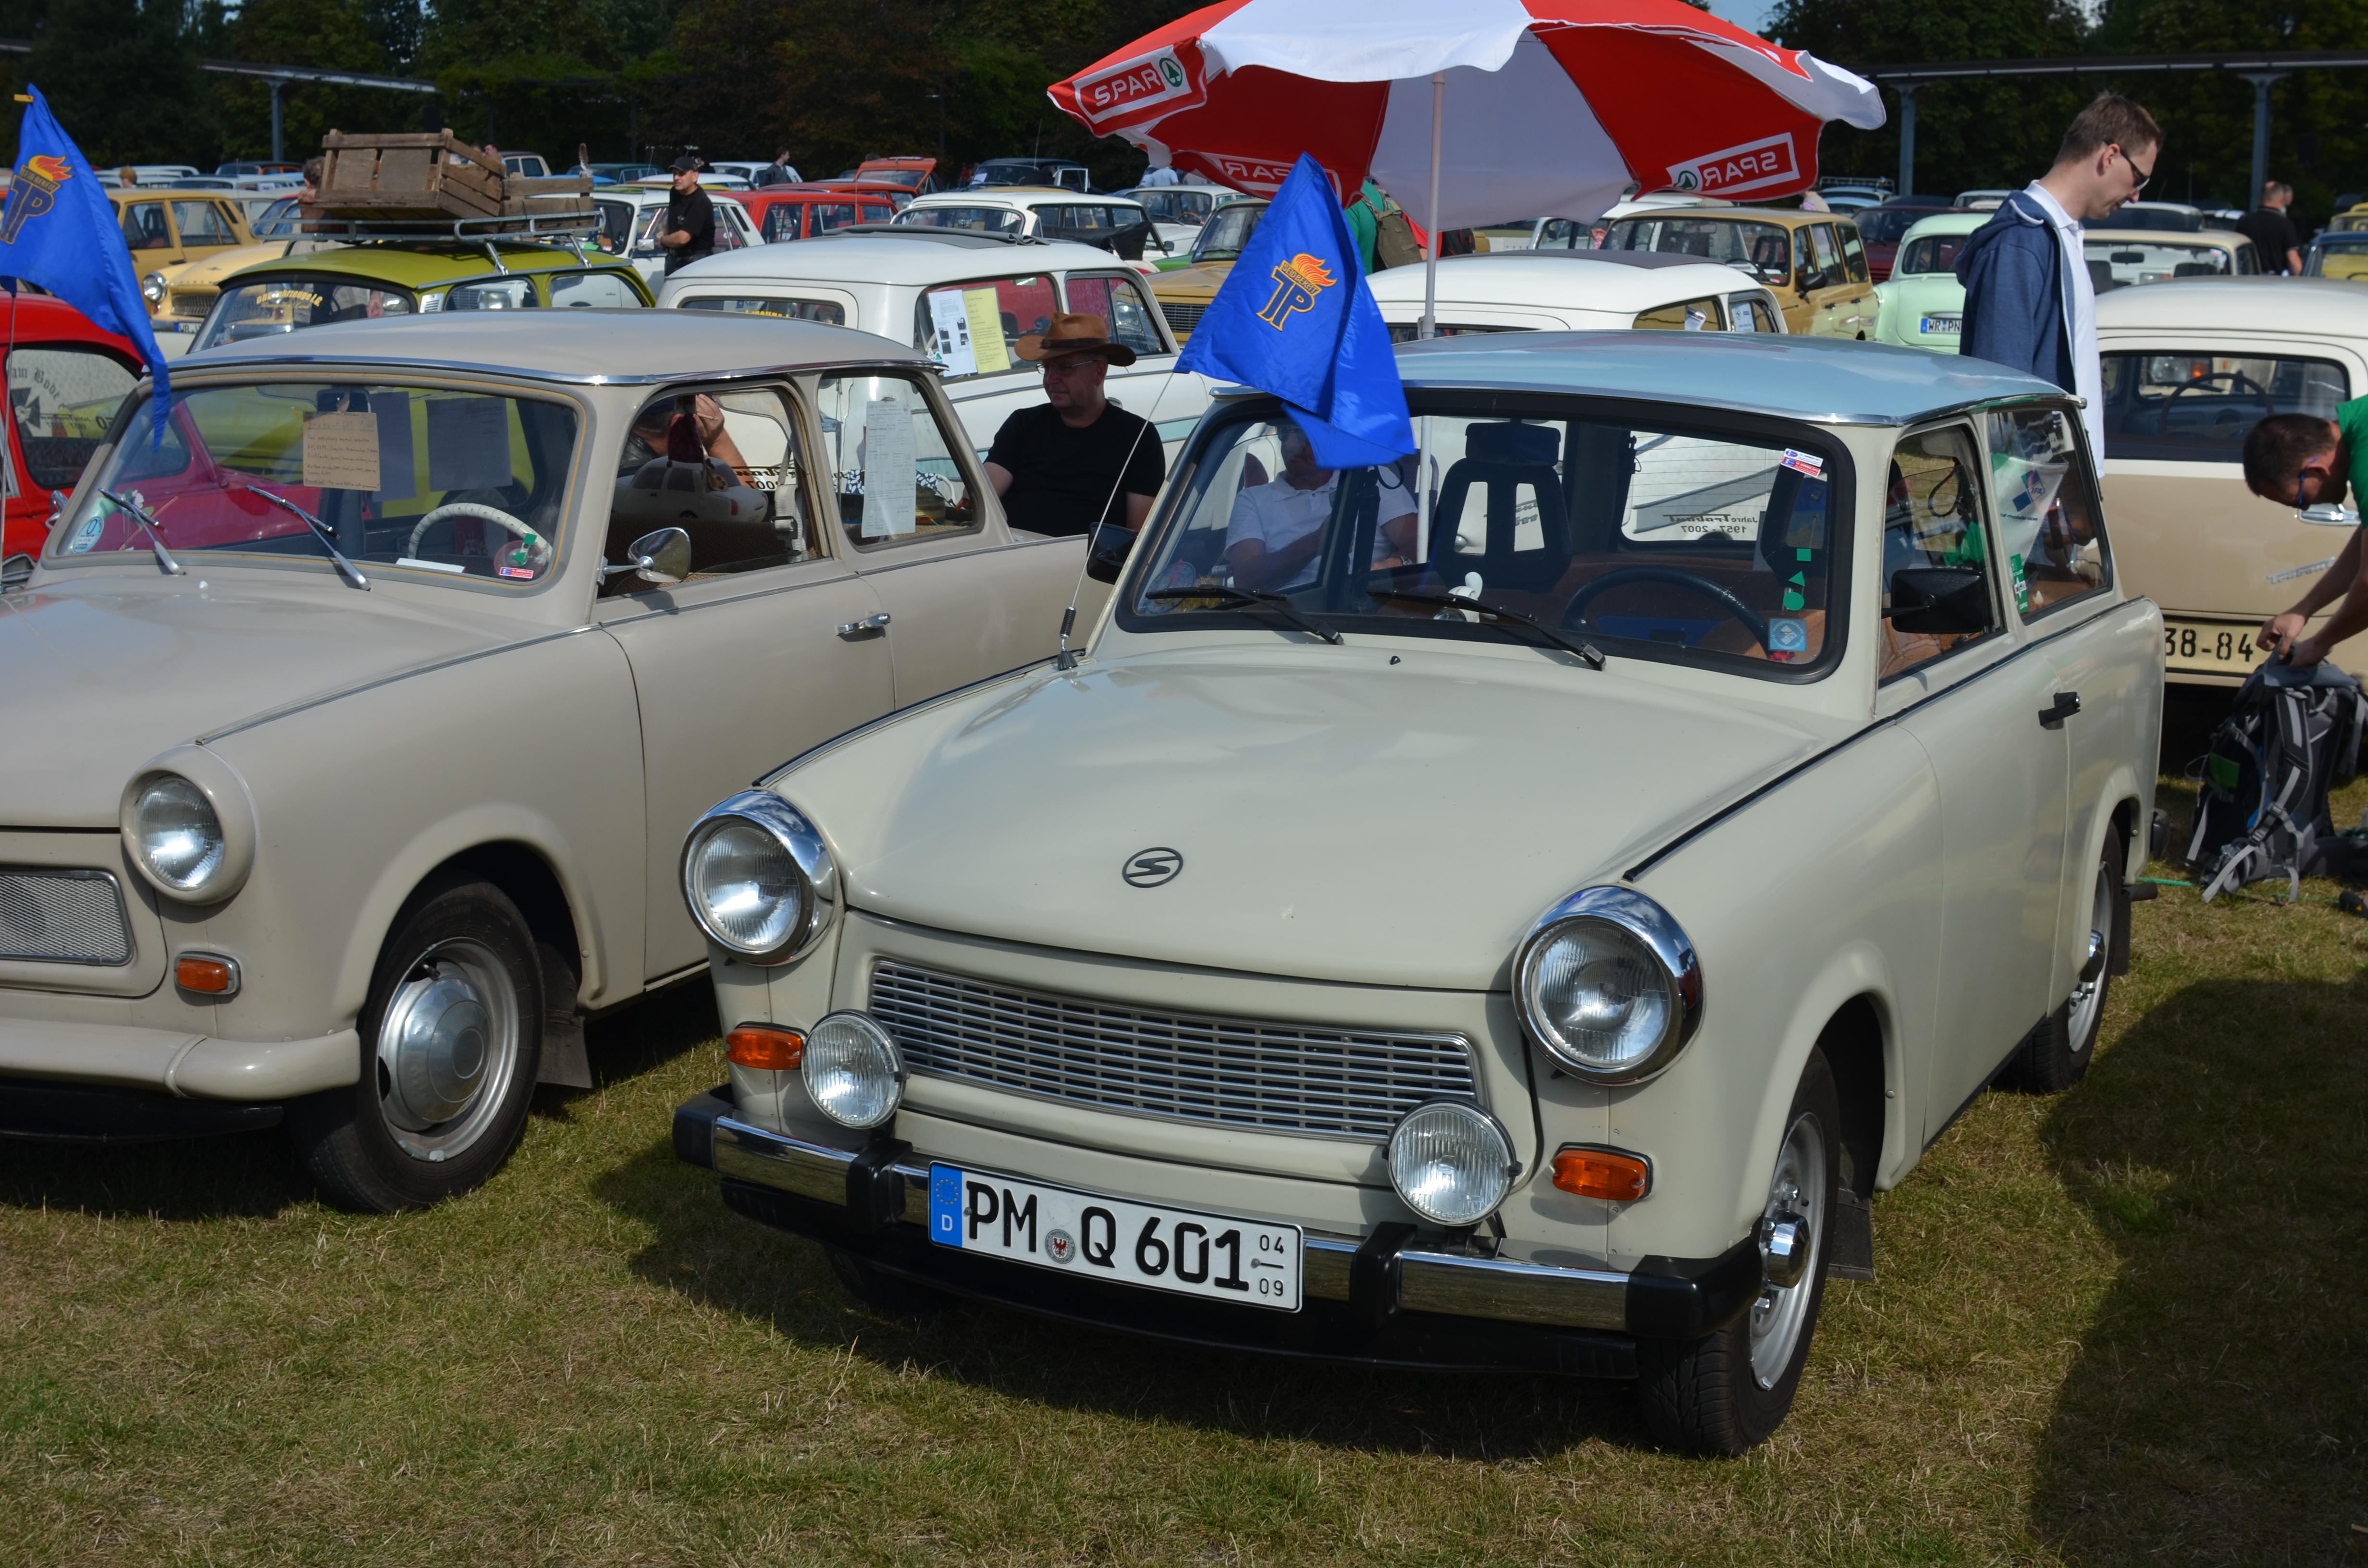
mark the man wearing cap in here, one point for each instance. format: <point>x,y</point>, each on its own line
<point>1075,460</point>
<point>690,217</point>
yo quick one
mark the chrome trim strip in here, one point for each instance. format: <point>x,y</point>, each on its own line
<point>1650,923</point>
<point>786,1165</point>
<point>803,842</point>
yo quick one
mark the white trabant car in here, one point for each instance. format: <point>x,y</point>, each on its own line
<point>355,725</point>
<point>965,299</point>
<point>1115,223</point>
<point>1577,290</point>
<point>632,220</point>
<point>1533,953</point>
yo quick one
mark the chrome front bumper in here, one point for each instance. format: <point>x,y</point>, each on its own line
<point>875,1199</point>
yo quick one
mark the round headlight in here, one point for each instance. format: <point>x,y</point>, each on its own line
<point>152,287</point>
<point>759,879</point>
<point>853,1072</point>
<point>1610,986</point>
<point>1451,1162</point>
<point>175,833</point>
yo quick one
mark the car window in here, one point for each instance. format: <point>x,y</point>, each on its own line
<point>987,219</point>
<point>1829,255</point>
<point>879,212</point>
<point>289,305</point>
<point>1676,544</point>
<point>731,226</point>
<point>1853,252</point>
<point>1684,315</point>
<point>64,398</point>
<point>1937,588</point>
<point>824,216</point>
<point>2154,261</point>
<point>276,222</point>
<point>1929,253</point>
<point>1759,248</point>
<point>723,467</point>
<point>2198,407</point>
<point>1118,299</point>
<point>2248,261</point>
<point>830,312</point>
<point>493,294</point>
<point>450,485</point>
<point>892,466</point>
<point>1565,234</point>
<point>616,224</point>
<point>592,291</point>
<point>144,227</point>
<point>1753,312</point>
<point>974,329</point>
<point>2050,530</point>
<point>203,223</point>
<point>1223,235</point>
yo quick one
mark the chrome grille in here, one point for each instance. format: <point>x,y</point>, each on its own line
<point>61,916</point>
<point>1181,319</point>
<point>1278,1076</point>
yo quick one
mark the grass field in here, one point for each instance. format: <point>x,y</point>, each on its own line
<point>2126,1324</point>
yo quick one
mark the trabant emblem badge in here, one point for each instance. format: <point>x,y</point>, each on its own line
<point>1152,868</point>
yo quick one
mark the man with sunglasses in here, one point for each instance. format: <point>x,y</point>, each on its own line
<point>2301,460</point>
<point>2030,304</point>
<point>1074,460</point>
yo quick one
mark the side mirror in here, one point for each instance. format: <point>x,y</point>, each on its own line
<point>1106,552</point>
<point>14,571</point>
<point>1940,600</point>
<point>661,557</point>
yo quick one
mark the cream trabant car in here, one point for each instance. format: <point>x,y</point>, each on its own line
<point>355,725</point>
<point>1533,954</point>
<point>1565,291</point>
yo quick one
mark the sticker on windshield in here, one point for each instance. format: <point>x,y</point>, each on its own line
<point>1786,638</point>
<point>1805,463</point>
<point>341,452</point>
<point>88,534</point>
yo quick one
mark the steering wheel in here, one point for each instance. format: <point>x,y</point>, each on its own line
<point>1752,620</point>
<point>471,509</point>
<point>2238,382</point>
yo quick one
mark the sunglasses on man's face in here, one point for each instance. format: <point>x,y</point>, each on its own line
<point>2140,177</point>
<point>1067,367</point>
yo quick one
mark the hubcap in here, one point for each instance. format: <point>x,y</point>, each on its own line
<point>447,1049</point>
<point>1790,1236</point>
<point>2089,996</point>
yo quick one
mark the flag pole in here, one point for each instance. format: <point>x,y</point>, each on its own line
<point>1429,326</point>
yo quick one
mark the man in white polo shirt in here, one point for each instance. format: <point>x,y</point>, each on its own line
<point>1276,533</point>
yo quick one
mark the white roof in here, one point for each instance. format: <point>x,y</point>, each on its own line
<point>1014,198</point>
<point>2299,307</point>
<point>921,262</point>
<point>1946,223</point>
<point>1587,280</point>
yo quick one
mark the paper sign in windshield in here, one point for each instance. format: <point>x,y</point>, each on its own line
<point>468,443</point>
<point>950,313</point>
<point>2025,491</point>
<point>888,488</point>
<point>986,344</point>
<point>341,452</point>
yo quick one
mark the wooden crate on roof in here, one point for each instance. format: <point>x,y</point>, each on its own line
<point>530,198</point>
<point>423,175</point>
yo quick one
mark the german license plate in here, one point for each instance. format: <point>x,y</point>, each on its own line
<point>1218,1258</point>
<point>2211,647</point>
<point>1936,326</point>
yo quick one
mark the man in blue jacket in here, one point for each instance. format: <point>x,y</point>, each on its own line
<point>2029,300</point>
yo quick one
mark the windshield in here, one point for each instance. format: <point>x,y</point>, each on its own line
<point>2332,260</point>
<point>287,304</point>
<point>1687,544</point>
<point>2152,261</point>
<point>1883,225</point>
<point>449,483</point>
<point>1929,253</point>
<point>987,219</point>
<point>1762,249</point>
<point>1227,231</point>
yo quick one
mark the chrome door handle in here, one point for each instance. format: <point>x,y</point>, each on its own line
<point>866,626</point>
<point>2066,703</point>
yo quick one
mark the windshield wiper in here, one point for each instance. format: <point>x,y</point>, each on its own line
<point>1588,651</point>
<point>1250,600</point>
<point>345,569</point>
<point>155,541</point>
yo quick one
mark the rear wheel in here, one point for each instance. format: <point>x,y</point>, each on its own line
<point>1727,1390</point>
<point>2060,1050</point>
<point>451,1038</point>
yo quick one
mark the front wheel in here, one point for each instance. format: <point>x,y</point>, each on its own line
<point>451,1040</point>
<point>1727,1390</point>
<point>2059,1052</point>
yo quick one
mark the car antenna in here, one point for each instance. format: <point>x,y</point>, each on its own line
<point>1066,659</point>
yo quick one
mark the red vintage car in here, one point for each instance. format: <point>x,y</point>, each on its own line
<point>65,379</point>
<point>801,211</point>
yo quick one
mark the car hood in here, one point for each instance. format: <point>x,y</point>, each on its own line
<point>1342,814</point>
<point>1187,283</point>
<point>103,673</point>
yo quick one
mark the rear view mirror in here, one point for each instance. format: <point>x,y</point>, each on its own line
<point>660,556</point>
<point>1939,600</point>
<point>14,571</point>
<point>1106,552</point>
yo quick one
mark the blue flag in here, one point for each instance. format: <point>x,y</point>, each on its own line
<point>60,230</point>
<point>1295,319</point>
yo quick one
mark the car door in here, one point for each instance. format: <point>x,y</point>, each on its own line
<point>960,598</point>
<point>1972,694</point>
<point>205,228</point>
<point>769,646</point>
<point>1827,290</point>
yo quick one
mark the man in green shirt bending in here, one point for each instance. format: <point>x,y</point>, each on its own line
<point>2300,460</point>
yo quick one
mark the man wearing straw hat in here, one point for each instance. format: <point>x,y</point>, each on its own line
<point>1075,460</point>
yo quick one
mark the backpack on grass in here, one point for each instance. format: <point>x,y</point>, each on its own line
<point>2261,811</point>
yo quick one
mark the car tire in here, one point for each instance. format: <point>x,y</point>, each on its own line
<point>452,1044</point>
<point>2059,1050</point>
<point>1727,1390</point>
<point>882,1291</point>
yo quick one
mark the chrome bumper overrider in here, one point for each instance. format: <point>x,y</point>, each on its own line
<point>887,1186</point>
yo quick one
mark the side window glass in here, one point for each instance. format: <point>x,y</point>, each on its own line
<point>144,226</point>
<point>879,212</point>
<point>974,329</point>
<point>592,290</point>
<point>1828,263</point>
<point>63,400</point>
<point>723,467</point>
<point>1853,252</point>
<point>782,223</point>
<point>891,465</point>
<point>824,216</point>
<point>830,312</point>
<point>2198,407</point>
<point>1120,302</point>
<point>201,224</point>
<point>1937,594</point>
<point>493,294</point>
<point>2050,530</point>
<point>1685,316</point>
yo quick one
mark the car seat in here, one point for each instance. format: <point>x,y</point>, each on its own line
<point>1504,460</point>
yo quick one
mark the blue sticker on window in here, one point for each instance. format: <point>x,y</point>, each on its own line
<point>1788,636</point>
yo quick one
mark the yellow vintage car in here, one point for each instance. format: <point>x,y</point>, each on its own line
<point>1184,293</point>
<point>167,228</point>
<point>1813,262</point>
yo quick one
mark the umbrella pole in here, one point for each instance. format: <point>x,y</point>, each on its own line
<point>1429,327</point>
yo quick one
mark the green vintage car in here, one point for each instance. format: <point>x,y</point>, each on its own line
<point>401,277</point>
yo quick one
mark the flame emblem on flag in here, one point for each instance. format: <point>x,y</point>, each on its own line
<point>1297,282</point>
<point>35,192</point>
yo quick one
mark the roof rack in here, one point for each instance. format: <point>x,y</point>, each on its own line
<point>533,228</point>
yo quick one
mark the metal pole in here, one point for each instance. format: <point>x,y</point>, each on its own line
<point>1907,137</point>
<point>1430,256</point>
<point>276,156</point>
<point>2260,80</point>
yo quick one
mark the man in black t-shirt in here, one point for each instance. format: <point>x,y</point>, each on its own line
<point>1075,460</point>
<point>2271,232</point>
<point>690,217</point>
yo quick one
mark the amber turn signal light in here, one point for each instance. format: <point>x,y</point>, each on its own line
<point>767,1046</point>
<point>205,974</point>
<point>1601,1173</point>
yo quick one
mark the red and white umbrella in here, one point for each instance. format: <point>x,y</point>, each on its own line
<point>1500,108</point>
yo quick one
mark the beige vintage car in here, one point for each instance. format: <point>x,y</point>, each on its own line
<point>2188,370</point>
<point>1535,953</point>
<point>356,723</point>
